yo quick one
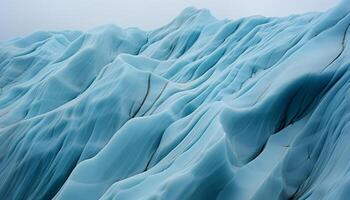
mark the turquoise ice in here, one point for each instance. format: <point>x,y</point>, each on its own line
<point>255,108</point>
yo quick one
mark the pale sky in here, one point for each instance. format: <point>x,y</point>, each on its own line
<point>21,17</point>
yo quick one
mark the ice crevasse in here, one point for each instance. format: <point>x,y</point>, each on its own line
<point>201,108</point>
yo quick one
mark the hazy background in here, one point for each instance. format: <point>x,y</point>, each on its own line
<point>20,17</point>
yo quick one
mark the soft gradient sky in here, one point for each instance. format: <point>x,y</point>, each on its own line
<point>20,17</point>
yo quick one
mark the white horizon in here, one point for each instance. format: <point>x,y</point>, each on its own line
<point>21,17</point>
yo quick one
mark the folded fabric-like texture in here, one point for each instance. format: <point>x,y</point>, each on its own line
<point>201,108</point>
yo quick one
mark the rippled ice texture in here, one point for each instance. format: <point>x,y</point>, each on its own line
<point>256,108</point>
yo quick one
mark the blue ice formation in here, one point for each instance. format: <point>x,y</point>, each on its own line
<point>256,108</point>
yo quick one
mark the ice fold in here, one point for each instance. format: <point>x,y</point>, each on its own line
<point>201,108</point>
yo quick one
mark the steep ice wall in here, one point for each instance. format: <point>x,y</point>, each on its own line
<point>257,108</point>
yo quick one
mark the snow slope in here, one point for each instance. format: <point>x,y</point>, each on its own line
<point>257,108</point>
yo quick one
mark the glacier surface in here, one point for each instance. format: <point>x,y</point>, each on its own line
<point>201,108</point>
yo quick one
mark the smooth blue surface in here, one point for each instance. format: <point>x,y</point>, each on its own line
<point>257,108</point>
